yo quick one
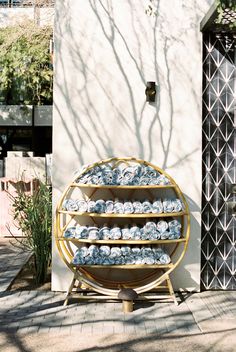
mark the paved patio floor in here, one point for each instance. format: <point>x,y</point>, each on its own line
<point>11,261</point>
<point>37,321</point>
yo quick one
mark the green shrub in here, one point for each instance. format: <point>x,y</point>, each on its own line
<point>26,74</point>
<point>33,213</point>
<point>221,6</point>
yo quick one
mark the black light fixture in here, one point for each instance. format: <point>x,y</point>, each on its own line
<point>150,92</point>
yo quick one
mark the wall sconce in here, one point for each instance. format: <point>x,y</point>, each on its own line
<point>150,92</point>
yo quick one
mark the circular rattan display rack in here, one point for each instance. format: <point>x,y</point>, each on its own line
<point>105,281</point>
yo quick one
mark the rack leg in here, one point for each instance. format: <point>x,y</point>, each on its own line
<point>172,293</point>
<point>69,291</point>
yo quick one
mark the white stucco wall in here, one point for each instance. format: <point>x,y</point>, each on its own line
<point>104,54</point>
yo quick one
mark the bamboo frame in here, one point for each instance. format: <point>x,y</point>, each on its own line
<point>82,274</point>
<point>127,266</point>
<point>93,295</point>
<point>106,215</point>
<point>82,185</point>
<point>83,240</point>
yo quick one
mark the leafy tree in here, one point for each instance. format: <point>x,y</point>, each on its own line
<point>221,6</point>
<point>25,71</point>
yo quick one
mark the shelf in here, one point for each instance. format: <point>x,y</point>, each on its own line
<point>132,215</point>
<point>85,185</point>
<point>107,280</point>
<point>84,240</point>
<point>127,266</point>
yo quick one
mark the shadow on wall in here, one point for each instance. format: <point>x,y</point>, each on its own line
<point>101,72</point>
<point>89,130</point>
<point>185,271</point>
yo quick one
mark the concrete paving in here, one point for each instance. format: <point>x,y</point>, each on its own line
<point>12,259</point>
<point>205,321</point>
<point>215,342</point>
<point>37,321</point>
<point>32,311</point>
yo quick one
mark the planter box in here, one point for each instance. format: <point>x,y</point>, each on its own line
<point>43,115</point>
<point>15,115</point>
<point>21,115</point>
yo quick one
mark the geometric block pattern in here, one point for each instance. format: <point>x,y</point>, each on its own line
<point>218,252</point>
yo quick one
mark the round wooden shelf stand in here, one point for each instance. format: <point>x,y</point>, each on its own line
<point>105,281</point>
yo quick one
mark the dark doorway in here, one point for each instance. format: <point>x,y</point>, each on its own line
<point>19,138</point>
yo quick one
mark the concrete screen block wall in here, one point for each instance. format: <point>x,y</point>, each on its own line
<point>105,52</point>
<point>17,167</point>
